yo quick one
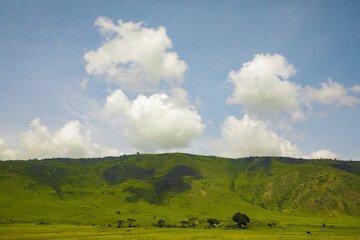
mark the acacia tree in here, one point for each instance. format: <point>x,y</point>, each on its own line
<point>120,222</point>
<point>131,221</point>
<point>240,219</point>
<point>212,222</point>
<point>161,223</point>
<point>193,221</point>
<point>184,223</point>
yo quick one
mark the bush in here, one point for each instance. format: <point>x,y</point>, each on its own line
<point>43,223</point>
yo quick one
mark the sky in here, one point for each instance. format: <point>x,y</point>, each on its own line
<point>226,78</point>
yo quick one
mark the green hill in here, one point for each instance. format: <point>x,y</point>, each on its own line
<point>175,186</point>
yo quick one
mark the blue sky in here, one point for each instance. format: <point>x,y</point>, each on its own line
<point>294,90</point>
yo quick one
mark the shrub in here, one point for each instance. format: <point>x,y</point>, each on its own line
<point>43,223</point>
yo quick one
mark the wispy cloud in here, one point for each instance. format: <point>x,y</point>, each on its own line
<point>83,83</point>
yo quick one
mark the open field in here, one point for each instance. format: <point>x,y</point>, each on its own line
<point>32,231</point>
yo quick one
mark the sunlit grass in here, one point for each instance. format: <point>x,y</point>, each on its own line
<point>32,231</point>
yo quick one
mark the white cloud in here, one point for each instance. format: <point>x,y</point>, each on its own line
<point>324,153</point>
<point>252,137</point>
<point>331,92</point>
<point>159,121</point>
<point>134,56</point>
<point>261,84</point>
<point>263,88</point>
<point>83,83</point>
<point>355,89</point>
<point>69,141</point>
<point>110,152</point>
<point>6,153</point>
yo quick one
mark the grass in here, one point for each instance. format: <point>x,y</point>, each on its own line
<point>31,231</point>
<point>74,194</point>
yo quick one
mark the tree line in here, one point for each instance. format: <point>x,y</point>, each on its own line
<point>239,218</point>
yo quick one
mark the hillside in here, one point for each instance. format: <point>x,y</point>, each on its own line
<point>175,186</point>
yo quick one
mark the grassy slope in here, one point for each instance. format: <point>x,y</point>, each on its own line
<point>176,186</point>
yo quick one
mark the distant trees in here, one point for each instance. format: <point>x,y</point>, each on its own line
<point>131,221</point>
<point>240,219</point>
<point>193,221</point>
<point>120,222</point>
<point>161,223</point>
<point>213,222</point>
<point>184,223</point>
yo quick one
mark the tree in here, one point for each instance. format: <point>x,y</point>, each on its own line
<point>193,221</point>
<point>241,219</point>
<point>184,223</point>
<point>131,221</point>
<point>160,223</point>
<point>213,222</point>
<point>120,222</point>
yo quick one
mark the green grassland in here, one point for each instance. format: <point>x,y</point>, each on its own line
<point>27,231</point>
<point>85,198</point>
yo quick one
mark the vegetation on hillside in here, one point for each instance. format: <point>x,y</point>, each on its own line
<point>179,189</point>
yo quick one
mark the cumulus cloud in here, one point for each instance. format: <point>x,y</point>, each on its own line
<point>323,153</point>
<point>355,89</point>
<point>133,56</point>
<point>263,88</point>
<point>7,153</point>
<point>159,121</point>
<point>261,84</point>
<point>250,136</point>
<point>69,141</point>
<point>331,92</point>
